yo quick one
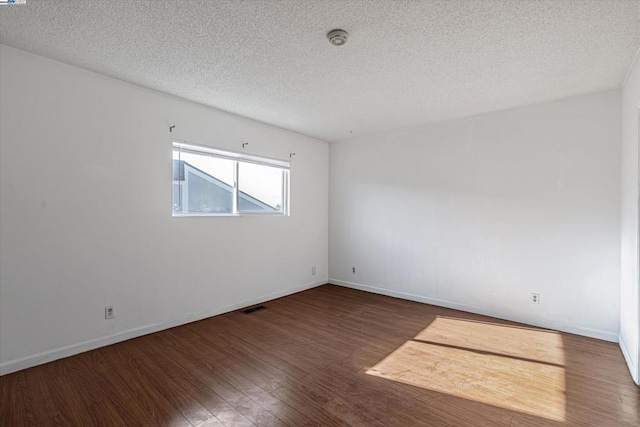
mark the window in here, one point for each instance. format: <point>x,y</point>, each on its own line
<point>209,181</point>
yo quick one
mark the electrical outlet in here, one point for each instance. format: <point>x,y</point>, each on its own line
<point>313,270</point>
<point>353,270</point>
<point>109,313</point>
<point>535,298</point>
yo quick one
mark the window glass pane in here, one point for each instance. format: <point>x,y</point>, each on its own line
<point>204,184</point>
<point>208,181</point>
<point>260,188</point>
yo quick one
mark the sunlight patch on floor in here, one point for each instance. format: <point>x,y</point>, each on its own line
<point>516,368</point>
<point>513,340</point>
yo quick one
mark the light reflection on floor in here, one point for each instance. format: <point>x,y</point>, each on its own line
<point>516,368</point>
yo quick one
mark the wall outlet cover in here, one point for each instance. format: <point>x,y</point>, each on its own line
<point>109,313</point>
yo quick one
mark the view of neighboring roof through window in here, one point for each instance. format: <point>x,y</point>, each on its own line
<point>209,182</point>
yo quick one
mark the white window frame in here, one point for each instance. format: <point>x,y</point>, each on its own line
<point>285,165</point>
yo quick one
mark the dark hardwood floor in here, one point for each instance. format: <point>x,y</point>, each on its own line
<point>333,356</point>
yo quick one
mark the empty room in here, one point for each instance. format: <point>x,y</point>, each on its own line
<point>319,213</point>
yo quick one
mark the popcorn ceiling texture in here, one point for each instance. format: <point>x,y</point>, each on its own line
<point>406,63</point>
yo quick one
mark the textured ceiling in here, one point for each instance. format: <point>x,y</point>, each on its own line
<point>406,63</point>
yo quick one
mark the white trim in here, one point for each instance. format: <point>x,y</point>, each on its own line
<point>235,198</point>
<point>188,147</point>
<point>572,329</point>
<point>70,350</point>
<point>629,360</point>
<point>635,373</point>
<point>242,213</point>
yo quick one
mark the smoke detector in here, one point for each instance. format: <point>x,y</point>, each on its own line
<point>338,37</point>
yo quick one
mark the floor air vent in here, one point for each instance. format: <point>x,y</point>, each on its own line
<point>252,309</point>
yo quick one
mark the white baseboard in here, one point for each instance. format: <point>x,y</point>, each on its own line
<point>70,350</point>
<point>572,329</point>
<point>633,368</point>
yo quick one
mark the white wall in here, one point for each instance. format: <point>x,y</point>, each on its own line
<point>85,217</point>
<point>630,297</point>
<point>478,213</point>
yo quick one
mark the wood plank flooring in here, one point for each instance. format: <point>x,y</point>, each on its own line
<point>332,356</point>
